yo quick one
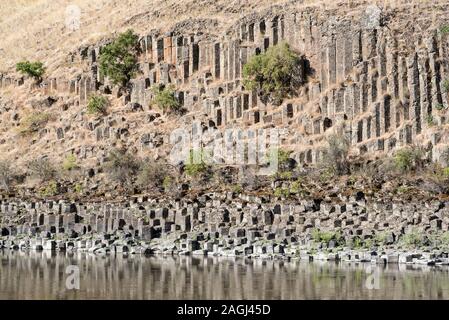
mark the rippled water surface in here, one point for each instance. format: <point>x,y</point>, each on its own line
<point>42,275</point>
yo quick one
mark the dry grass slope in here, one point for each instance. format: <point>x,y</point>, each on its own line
<point>35,29</point>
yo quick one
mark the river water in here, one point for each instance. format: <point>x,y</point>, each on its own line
<point>46,275</point>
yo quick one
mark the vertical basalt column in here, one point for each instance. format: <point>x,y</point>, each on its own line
<point>356,98</point>
<point>275,30</point>
<point>251,32</point>
<point>374,76</point>
<point>324,70</point>
<point>243,32</point>
<point>174,50</point>
<point>179,49</point>
<point>378,118</point>
<point>185,59</point>
<point>387,112</point>
<point>360,131</point>
<point>243,57</point>
<point>425,84</point>
<point>348,58</point>
<point>340,57</point>
<point>369,128</point>
<point>253,98</point>
<point>403,87</point>
<point>324,106</point>
<point>160,50</point>
<point>369,44</point>
<point>195,57</point>
<point>349,102</point>
<point>167,49</point>
<point>332,63</point>
<point>260,35</point>
<point>148,51</point>
<point>231,66</point>
<point>238,106</point>
<point>237,59</point>
<point>357,53</point>
<point>392,66</point>
<point>382,55</point>
<point>217,62</point>
<point>224,59</point>
<point>414,87</point>
<point>434,68</point>
<point>339,101</point>
<point>204,52</point>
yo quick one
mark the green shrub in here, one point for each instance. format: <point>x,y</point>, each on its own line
<point>282,192</point>
<point>237,189</point>
<point>78,188</point>
<point>32,69</point>
<point>196,165</point>
<point>445,173</point>
<point>50,190</point>
<point>275,74</point>
<point>430,120</point>
<point>412,239</point>
<point>167,183</point>
<point>409,159</point>
<point>42,169</point>
<point>445,29</point>
<point>97,105</point>
<point>34,122</point>
<point>164,98</point>
<point>326,236</point>
<point>439,107</point>
<point>122,167</point>
<point>118,60</point>
<point>335,157</point>
<point>446,85</point>
<point>69,163</point>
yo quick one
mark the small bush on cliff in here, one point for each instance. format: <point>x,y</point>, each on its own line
<point>164,98</point>
<point>50,190</point>
<point>335,157</point>
<point>275,74</point>
<point>7,174</point>
<point>412,239</point>
<point>69,163</point>
<point>196,166</point>
<point>97,105</point>
<point>409,159</point>
<point>122,167</point>
<point>152,175</point>
<point>42,169</point>
<point>34,122</point>
<point>32,69</point>
<point>118,60</point>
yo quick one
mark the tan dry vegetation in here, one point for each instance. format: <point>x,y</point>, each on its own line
<point>36,29</point>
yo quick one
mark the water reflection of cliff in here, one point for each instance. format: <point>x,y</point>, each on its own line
<point>42,276</point>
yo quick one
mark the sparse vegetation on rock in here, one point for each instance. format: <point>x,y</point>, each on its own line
<point>7,174</point>
<point>34,122</point>
<point>335,156</point>
<point>42,169</point>
<point>97,105</point>
<point>122,166</point>
<point>409,159</point>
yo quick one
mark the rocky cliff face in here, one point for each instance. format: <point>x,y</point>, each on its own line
<point>378,74</point>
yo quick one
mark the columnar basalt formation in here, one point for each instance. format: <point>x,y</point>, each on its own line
<point>377,74</point>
